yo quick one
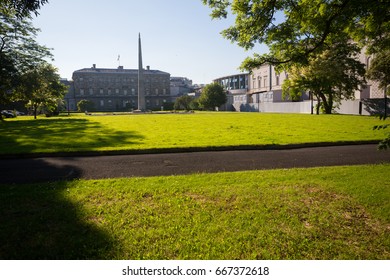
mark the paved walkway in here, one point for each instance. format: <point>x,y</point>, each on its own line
<point>97,167</point>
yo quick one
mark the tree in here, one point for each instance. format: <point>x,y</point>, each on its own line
<point>331,76</point>
<point>297,30</point>
<point>183,102</point>
<point>41,88</point>
<point>212,96</point>
<point>380,69</point>
<point>85,105</point>
<point>19,52</point>
<point>22,8</point>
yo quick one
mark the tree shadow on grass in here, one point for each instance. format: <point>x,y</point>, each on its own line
<point>38,221</point>
<point>62,135</point>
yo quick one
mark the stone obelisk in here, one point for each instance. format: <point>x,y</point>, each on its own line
<point>141,87</point>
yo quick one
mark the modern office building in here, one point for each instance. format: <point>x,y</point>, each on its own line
<point>236,87</point>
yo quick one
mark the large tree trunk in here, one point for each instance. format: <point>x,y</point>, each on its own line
<point>327,103</point>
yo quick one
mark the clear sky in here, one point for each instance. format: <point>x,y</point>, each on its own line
<point>178,37</point>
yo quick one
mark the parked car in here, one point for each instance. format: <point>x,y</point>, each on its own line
<point>7,114</point>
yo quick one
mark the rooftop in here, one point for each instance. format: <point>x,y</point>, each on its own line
<point>120,69</point>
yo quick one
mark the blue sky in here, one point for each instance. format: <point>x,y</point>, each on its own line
<point>178,37</point>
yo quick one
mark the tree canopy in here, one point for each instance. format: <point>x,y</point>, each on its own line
<point>19,52</point>
<point>212,96</point>
<point>184,102</point>
<point>22,8</point>
<point>296,30</point>
<point>380,68</point>
<point>332,76</point>
<point>41,88</point>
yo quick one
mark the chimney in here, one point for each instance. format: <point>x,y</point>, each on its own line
<point>94,66</point>
<point>120,67</point>
<point>148,67</point>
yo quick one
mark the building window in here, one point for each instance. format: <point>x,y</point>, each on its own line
<point>90,91</point>
<point>265,81</point>
<point>109,91</point>
<point>259,82</point>
<point>164,92</point>
<point>81,91</point>
<point>125,91</point>
<point>157,92</point>
<point>133,91</point>
<point>101,91</point>
<point>117,91</point>
<point>277,80</point>
<point>101,103</point>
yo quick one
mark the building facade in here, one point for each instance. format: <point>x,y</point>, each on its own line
<point>237,89</point>
<point>117,89</point>
<point>181,86</point>
<point>262,92</point>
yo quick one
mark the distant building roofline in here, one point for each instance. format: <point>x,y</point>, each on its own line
<point>120,69</point>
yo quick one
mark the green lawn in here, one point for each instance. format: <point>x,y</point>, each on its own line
<point>317,213</point>
<point>155,132</point>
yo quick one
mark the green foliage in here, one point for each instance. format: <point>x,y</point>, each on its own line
<point>22,8</point>
<point>380,68</point>
<point>19,53</point>
<point>85,105</point>
<point>213,96</point>
<point>184,102</point>
<point>332,76</point>
<point>307,27</point>
<point>385,143</point>
<point>41,88</point>
<point>318,213</point>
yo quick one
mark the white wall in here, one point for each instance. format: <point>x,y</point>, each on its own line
<point>286,107</point>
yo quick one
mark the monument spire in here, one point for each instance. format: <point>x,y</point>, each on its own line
<point>141,90</point>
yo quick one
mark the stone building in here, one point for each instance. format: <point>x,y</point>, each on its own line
<point>181,86</point>
<point>117,89</point>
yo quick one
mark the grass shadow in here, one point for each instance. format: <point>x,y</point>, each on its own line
<point>39,222</point>
<point>68,135</point>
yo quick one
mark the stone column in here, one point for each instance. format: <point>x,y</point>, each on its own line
<point>141,87</point>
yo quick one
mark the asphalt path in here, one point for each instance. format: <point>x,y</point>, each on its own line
<point>45,169</point>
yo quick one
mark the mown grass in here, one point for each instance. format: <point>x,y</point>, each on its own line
<point>179,131</point>
<point>317,213</point>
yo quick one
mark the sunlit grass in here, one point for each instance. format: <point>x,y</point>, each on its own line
<point>317,213</point>
<point>180,131</point>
